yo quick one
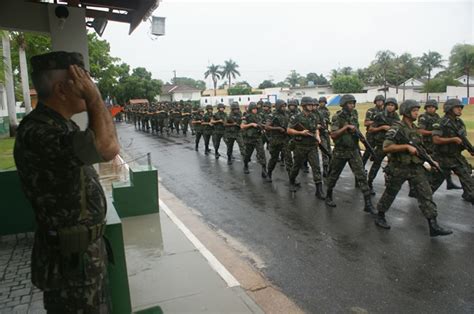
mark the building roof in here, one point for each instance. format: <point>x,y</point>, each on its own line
<point>125,11</point>
<point>138,101</point>
<point>171,89</point>
<point>219,92</point>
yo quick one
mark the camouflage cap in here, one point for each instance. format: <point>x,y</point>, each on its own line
<point>57,60</point>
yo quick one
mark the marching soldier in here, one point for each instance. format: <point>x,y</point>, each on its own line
<point>233,133</point>
<point>344,126</point>
<point>324,132</point>
<point>207,128</point>
<point>405,164</point>
<point>252,134</point>
<point>218,120</point>
<point>198,117</point>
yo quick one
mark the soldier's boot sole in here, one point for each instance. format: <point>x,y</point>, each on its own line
<point>436,230</point>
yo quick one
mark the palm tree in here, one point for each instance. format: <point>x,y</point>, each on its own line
<point>430,61</point>
<point>229,70</point>
<point>384,61</point>
<point>462,61</point>
<point>214,71</point>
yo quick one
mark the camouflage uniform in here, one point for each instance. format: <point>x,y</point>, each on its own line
<point>378,138</point>
<point>324,134</point>
<point>233,133</point>
<point>403,166</point>
<point>198,116</point>
<point>207,129</point>
<point>370,116</point>
<point>185,119</point>
<point>450,156</point>
<point>279,140</point>
<point>253,139</point>
<point>265,114</point>
<point>54,161</point>
<point>426,122</point>
<point>219,128</point>
<point>346,150</point>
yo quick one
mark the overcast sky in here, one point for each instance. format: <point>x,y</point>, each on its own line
<point>268,39</point>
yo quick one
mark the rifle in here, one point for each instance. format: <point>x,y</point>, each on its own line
<point>421,151</point>
<point>364,141</point>
<point>300,127</point>
<point>465,142</point>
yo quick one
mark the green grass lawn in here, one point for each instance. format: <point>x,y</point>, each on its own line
<point>6,154</point>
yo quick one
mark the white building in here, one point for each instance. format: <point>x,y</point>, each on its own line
<point>463,80</point>
<point>179,92</point>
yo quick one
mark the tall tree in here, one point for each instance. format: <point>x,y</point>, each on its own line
<point>430,61</point>
<point>229,70</point>
<point>9,84</point>
<point>293,78</point>
<point>266,84</point>
<point>406,67</point>
<point>347,84</point>
<point>461,61</point>
<point>213,71</point>
<point>19,38</point>
<point>384,62</point>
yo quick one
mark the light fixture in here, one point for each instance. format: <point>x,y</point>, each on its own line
<point>62,14</point>
<point>98,24</point>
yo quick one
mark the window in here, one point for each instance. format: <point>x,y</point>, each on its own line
<point>240,99</point>
<point>248,98</point>
<point>205,100</point>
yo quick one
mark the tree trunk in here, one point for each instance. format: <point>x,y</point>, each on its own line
<point>25,84</point>
<point>10,90</point>
<point>229,81</point>
<point>215,87</point>
<point>428,83</point>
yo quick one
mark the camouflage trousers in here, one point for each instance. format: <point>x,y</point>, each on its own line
<point>216,140</point>
<point>366,156</point>
<point>338,162</point>
<point>207,139</point>
<point>303,153</point>
<point>230,140</point>
<point>415,174</point>
<point>461,167</point>
<point>198,138</point>
<point>84,299</point>
<point>162,125</point>
<point>251,144</point>
<point>184,126</point>
<point>176,124</point>
<point>326,142</point>
<point>377,163</point>
<point>278,147</point>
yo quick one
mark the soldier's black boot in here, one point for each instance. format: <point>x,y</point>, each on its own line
<point>369,208</point>
<point>380,221</point>
<point>217,154</point>
<point>450,185</point>
<point>269,176</point>
<point>229,159</point>
<point>246,168</point>
<point>319,191</point>
<point>206,150</point>
<point>436,230</point>
<point>371,187</point>
<point>292,186</point>
<point>196,148</point>
<point>264,171</point>
<point>282,163</point>
<point>329,201</point>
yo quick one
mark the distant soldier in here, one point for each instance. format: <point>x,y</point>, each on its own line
<point>207,128</point>
<point>186,117</point>
<point>218,120</point>
<point>266,112</point>
<point>194,111</point>
<point>324,132</point>
<point>198,117</point>
<point>304,128</point>
<point>276,125</point>
<point>233,133</point>
<point>344,125</point>
<point>379,102</point>
<point>252,134</point>
<point>382,122</point>
<point>425,124</point>
<point>404,164</point>
<point>448,147</point>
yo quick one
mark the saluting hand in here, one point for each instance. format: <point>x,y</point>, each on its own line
<point>82,85</point>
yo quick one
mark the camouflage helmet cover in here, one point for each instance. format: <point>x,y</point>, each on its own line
<point>346,99</point>
<point>379,97</point>
<point>209,107</point>
<point>451,103</point>
<point>252,106</point>
<point>220,105</point>
<point>306,101</point>
<point>323,99</point>
<point>279,103</point>
<point>234,105</point>
<point>407,106</point>
<point>431,102</point>
<point>391,100</point>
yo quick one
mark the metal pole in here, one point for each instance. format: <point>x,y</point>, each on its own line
<point>148,156</point>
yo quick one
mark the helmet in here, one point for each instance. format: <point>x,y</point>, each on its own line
<point>279,103</point>
<point>392,100</point>
<point>220,105</point>
<point>260,102</point>
<point>252,106</point>
<point>346,99</point>
<point>431,102</point>
<point>267,104</point>
<point>306,101</point>
<point>292,102</point>
<point>196,106</point>
<point>407,106</point>
<point>379,97</point>
<point>451,103</point>
<point>209,107</point>
<point>234,105</point>
<point>323,99</point>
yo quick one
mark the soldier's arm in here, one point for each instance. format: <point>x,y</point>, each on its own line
<point>438,138</point>
<point>376,129</point>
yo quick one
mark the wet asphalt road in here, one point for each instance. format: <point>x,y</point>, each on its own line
<point>326,260</point>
